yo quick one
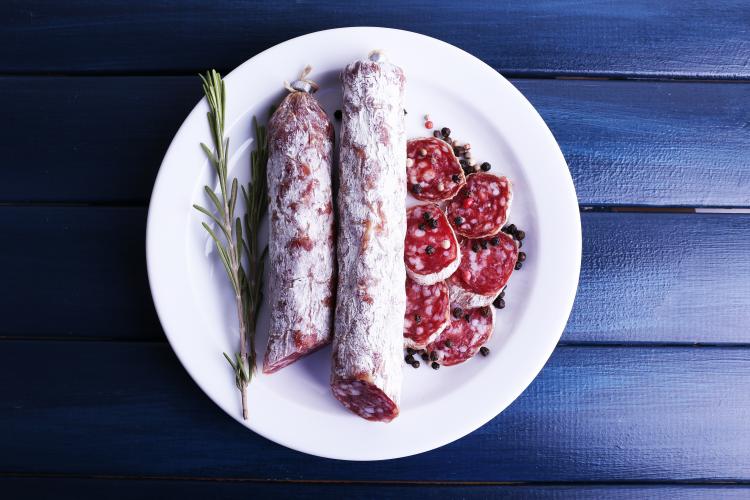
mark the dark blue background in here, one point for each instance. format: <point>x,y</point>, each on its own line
<point>647,394</point>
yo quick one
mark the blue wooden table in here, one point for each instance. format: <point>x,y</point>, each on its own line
<point>648,393</point>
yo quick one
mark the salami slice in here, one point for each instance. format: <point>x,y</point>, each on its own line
<point>482,206</point>
<point>485,269</point>
<point>368,336</point>
<point>302,240</point>
<point>431,249</point>
<point>465,335</point>
<point>433,171</point>
<point>427,313</point>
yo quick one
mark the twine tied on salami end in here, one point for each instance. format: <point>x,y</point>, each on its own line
<point>377,56</point>
<point>302,84</point>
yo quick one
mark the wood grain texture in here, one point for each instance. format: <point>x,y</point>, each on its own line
<point>113,489</point>
<point>594,414</point>
<point>627,143</point>
<point>644,278</point>
<point>671,38</point>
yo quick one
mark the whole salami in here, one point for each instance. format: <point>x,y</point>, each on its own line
<point>371,300</point>
<point>302,239</point>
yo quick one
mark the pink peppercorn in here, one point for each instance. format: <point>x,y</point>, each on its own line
<point>428,124</point>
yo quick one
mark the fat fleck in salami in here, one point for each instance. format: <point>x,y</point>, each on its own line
<point>482,206</point>
<point>427,313</point>
<point>432,170</point>
<point>368,340</point>
<point>485,269</point>
<point>302,239</point>
<point>431,250</point>
<point>464,336</point>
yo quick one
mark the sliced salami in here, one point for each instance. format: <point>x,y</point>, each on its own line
<point>368,339</point>
<point>485,269</point>
<point>482,206</point>
<point>464,336</point>
<point>431,249</point>
<point>432,170</point>
<point>302,247</point>
<point>427,313</point>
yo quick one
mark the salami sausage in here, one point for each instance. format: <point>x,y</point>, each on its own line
<point>431,250</point>
<point>427,313</point>
<point>464,336</point>
<point>302,240</point>
<point>433,171</point>
<point>482,206</point>
<point>371,301</point>
<point>485,269</point>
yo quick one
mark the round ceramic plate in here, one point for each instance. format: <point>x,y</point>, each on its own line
<point>294,407</point>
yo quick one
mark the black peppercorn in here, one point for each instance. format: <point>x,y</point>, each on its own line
<point>520,235</point>
<point>433,223</point>
<point>448,343</point>
<point>415,364</point>
<point>436,134</point>
<point>495,241</point>
<point>520,244</point>
<point>485,311</point>
<point>417,318</point>
<point>519,265</point>
<point>463,163</point>
<point>425,356</point>
<point>521,256</point>
<point>411,351</point>
<point>429,250</point>
<point>475,246</point>
<point>433,356</point>
<point>337,114</point>
<point>435,366</point>
<point>458,220</point>
<point>484,350</point>
<point>483,244</point>
<point>409,359</point>
<point>421,227</point>
<point>457,312</point>
<point>455,178</point>
<point>499,303</point>
<point>445,131</point>
<point>416,189</point>
<point>511,229</point>
<point>426,216</point>
<point>485,166</point>
<point>467,318</point>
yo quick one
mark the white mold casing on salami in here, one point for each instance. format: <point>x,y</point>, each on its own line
<point>371,300</point>
<point>301,253</point>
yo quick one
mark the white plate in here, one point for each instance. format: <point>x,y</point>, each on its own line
<point>294,407</point>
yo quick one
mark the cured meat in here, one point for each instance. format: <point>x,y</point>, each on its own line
<point>482,206</point>
<point>431,250</point>
<point>464,336</point>
<point>371,301</point>
<point>432,170</point>
<point>485,269</point>
<point>427,313</point>
<point>301,248</point>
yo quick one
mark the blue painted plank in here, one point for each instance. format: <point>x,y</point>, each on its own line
<point>113,489</point>
<point>627,143</point>
<point>594,414</point>
<point>644,277</point>
<point>670,38</point>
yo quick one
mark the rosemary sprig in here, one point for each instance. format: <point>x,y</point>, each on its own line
<point>231,246</point>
